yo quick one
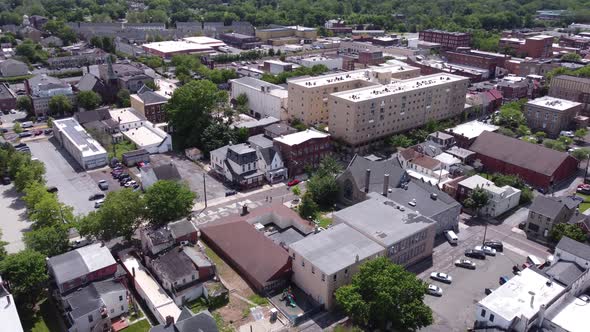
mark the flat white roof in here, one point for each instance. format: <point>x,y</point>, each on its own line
<point>472,129</point>
<point>8,314</point>
<point>355,75</point>
<point>177,46</point>
<point>154,293</point>
<point>481,182</point>
<point>447,159</point>
<point>522,295</point>
<point>300,137</point>
<point>396,87</point>
<point>573,316</point>
<point>77,135</point>
<point>205,41</point>
<point>278,62</point>
<point>124,115</point>
<point>144,136</point>
<point>553,103</point>
<point>539,37</point>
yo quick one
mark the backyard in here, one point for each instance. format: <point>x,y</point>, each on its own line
<point>141,326</point>
<point>45,319</point>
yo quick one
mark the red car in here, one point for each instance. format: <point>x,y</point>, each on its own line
<point>293,182</point>
<point>38,132</point>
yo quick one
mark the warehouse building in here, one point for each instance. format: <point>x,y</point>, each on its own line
<point>81,146</point>
<point>264,99</point>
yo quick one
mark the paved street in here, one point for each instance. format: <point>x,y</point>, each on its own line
<point>63,172</point>
<point>14,218</point>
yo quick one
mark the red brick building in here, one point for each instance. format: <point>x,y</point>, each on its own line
<point>447,39</point>
<point>574,41</point>
<point>7,98</point>
<point>476,59</point>
<point>539,46</point>
<point>82,266</point>
<point>305,148</point>
<point>150,104</point>
<point>535,164</point>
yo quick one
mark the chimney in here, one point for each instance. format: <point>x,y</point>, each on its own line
<point>8,300</point>
<point>532,298</point>
<point>133,272</point>
<point>244,209</point>
<point>356,258</point>
<point>385,184</point>
<point>169,320</point>
<point>541,315</point>
<point>367,180</point>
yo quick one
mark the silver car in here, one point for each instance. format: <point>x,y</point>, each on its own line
<point>442,277</point>
<point>487,250</point>
<point>434,290</point>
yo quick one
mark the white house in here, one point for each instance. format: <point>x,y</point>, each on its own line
<point>264,99</point>
<point>501,199</point>
<point>269,159</point>
<point>142,132</point>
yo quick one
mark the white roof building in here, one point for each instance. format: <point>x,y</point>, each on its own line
<point>553,103</point>
<point>472,129</point>
<point>143,133</point>
<point>81,146</point>
<point>572,316</point>
<point>501,199</point>
<point>300,137</point>
<point>205,41</point>
<point>8,314</point>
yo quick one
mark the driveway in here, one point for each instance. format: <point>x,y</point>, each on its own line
<point>63,172</point>
<point>14,218</point>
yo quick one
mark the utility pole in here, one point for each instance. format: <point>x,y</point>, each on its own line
<point>205,189</point>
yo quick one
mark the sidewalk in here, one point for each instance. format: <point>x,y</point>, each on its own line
<point>222,200</point>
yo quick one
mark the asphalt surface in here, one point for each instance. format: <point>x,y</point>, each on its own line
<point>62,171</point>
<point>14,221</point>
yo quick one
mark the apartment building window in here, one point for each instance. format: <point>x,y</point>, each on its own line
<point>120,297</point>
<point>90,319</point>
<point>312,270</point>
<point>492,318</point>
<point>302,263</point>
<point>334,276</point>
<point>483,312</point>
<point>323,277</point>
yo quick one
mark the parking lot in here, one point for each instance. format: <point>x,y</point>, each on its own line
<point>14,218</point>
<point>455,310</point>
<point>192,174</point>
<point>63,172</point>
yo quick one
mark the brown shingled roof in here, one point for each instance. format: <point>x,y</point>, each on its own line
<point>520,153</point>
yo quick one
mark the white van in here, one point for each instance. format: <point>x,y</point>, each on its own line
<point>451,236</point>
<point>533,260</point>
<point>27,124</point>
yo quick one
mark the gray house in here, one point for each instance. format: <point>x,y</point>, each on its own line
<point>367,174</point>
<point>11,67</point>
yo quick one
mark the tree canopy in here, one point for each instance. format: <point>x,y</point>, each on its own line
<point>476,199</point>
<point>168,201</point>
<point>60,105</point>
<point>572,231</point>
<point>88,100</point>
<point>383,293</point>
<point>26,270</point>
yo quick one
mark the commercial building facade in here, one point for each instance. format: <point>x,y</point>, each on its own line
<point>365,116</point>
<point>500,199</point>
<point>303,149</point>
<point>239,40</point>
<point>42,88</point>
<point>150,105</point>
<point>446,39</point>
<point>551,115</point>
<point>264,99</point>
<point>572,88</point>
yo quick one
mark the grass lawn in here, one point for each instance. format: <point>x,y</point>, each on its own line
<point>324,221</point>
<point>216,259</point>
<point>44,320</point>
<point>198,305</point>
<point>141,326</point>
<point>258,300</point>
<point>120,148</point>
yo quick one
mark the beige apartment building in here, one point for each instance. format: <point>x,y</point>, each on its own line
<point>572,88</point>
<point>366,115</point>
<point>551,115</point>
<point>308,97</point>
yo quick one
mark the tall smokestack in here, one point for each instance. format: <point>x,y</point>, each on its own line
<point>385,184</point>
<point>367,180</point>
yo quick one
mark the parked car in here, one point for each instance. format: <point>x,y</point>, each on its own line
<point>585,298</point>
<point>434,290</point>
<point>25,134</point>
<point>96,196</point>
<point>494,244</point>
<point>98,203</point>
<point>52,189</point>
<point>442,277</point>
<point>522,225</point>
<point>230,193</point>
<point>20,145</point>
<point>5,180</point>
<point>488,291</point>
<point>130,183</point>
<point>103,185</point>
<point>48,131</point>
<point>472,253</point>
<point>465,263</point>
<point>487,250</point>
<point>293,182</point>
<point>503,280</point>
<point>38,132</point>
<point>584,188</point>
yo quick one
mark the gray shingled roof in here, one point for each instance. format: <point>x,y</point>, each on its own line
<point>87,82</point>
<point>181,228</point>
<point>552,206</point>
<point>565,272</point>
<point>150,97</point>
<point>574,247</point>
<point>421,191</point>
<point>167,172</point>
<point>359,165</point>
<point>174,264</point>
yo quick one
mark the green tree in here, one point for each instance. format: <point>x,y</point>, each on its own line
<point>123,98</point>
<point>308,208</point>
<point>572,231</point>
<point>34,193</point>
<point>26,273</point>
<point>329,167</point>
<point>24,103</point>
<point>120,215</point>
<point>554,144</point>
<point>383,293</point>
<point>565,140</point>
<point>167,201</point>
<point>523,130</point>
<point>581,154</point>
<point>189,111</point>
<point>152,85</point>
<point>26,175</point>
<point>242,100</point>
<point>580,134</point>
<point>88,100</point>
<point>477,199</point>
<point>50,241</point>
<point>540,135</point>
<point>3,251</point>
<point>571,57</point>
<point>323,189</point>
<point>511,115</point>
<point>296,191</point>
<point>400,141</point>
<point>49,212</point>
<point>17,127</point>
<point>60,105</point>
<point>216,135</point>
